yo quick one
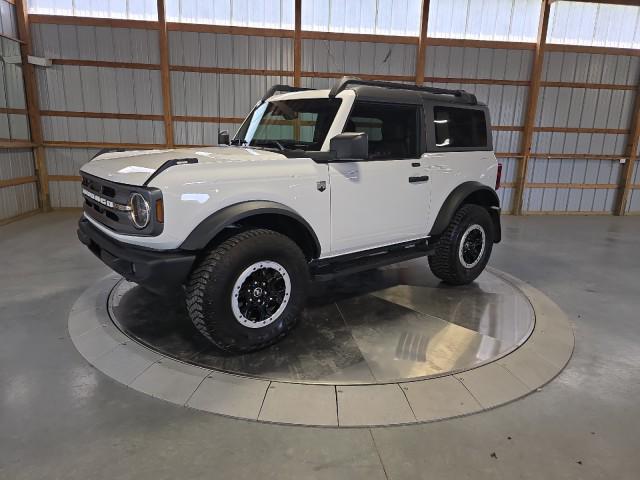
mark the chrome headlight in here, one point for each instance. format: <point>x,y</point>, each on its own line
<point>140,210</point>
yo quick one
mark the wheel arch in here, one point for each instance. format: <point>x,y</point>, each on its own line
<point>469,193</point>
<point>255,214</point>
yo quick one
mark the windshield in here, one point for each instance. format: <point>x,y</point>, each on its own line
<point>289,124</point>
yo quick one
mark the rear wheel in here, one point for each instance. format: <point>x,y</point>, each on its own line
<point>463,250</point>
<point>247,292</point>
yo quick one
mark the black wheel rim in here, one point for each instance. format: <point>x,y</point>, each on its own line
<point>260,294</point>
<point>472,246</point>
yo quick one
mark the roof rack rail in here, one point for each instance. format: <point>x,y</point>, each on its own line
<point>344,82</point>
<point>282,88</point>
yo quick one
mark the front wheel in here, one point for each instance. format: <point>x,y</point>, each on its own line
<point>463,250</point>
<point>247,292</point>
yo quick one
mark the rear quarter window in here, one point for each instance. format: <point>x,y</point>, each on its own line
<point>459,128</point>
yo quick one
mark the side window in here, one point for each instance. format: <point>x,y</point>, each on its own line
<point>459,127</point>
<point>392,129</point>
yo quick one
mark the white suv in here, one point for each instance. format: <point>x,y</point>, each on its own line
<point>315,183</point>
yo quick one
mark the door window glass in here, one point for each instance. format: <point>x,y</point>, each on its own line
<point>392,129</point>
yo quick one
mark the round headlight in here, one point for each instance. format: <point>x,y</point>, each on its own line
<point>140,211</point>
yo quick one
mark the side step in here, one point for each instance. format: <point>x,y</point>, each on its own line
<point>327,269</point>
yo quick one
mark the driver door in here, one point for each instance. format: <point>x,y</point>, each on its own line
<point>385,199</point>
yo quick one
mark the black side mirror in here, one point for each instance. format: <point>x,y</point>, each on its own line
<point>350,146</point>
<point>223,137</point>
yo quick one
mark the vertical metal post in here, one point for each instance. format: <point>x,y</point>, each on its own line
<point>297,44</point>
<point>33,108</point>
<point>532,104</point>
<point>422,43</point>
<point>626,177</point>
<point>165,74</point>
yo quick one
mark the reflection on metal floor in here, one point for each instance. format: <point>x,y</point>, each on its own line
<point>387,325</point>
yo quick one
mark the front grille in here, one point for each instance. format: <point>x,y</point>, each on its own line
<point>108,203</point>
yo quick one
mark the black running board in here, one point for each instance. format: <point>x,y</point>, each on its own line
<point>327,269</point>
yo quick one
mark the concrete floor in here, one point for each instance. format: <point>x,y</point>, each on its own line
<point>60,418</point>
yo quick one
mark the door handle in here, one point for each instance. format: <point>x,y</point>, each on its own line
<point>424,178</point>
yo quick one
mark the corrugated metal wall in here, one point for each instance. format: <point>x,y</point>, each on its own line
<point>18,199</point>
<point>8,25</point>
<point>67,161</point>
<point>74,88</point>
<point>633,205</point>
<point>213,85</point>
<point>358,57</point>
<point>227,95</point>
<point>585,108</point>
<point>14,125</point>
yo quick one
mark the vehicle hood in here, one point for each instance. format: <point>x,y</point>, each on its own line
<point>136,166</point>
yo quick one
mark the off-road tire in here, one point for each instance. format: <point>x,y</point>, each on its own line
<point>210,285</point>
<point>445,262</point>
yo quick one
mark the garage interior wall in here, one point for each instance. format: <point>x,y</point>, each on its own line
<point>105,86</point>
<point>18,192</point>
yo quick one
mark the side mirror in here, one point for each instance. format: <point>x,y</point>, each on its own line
<point>350,146</point>
<point>223,137</point>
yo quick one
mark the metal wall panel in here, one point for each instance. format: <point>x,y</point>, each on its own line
<point>581,108</point>
<point>633,204</point>
<point>16,163</point>
<point>18,200</point>
<point>11,83</point>
<point>230,51</point>
<point>569,200</point>
<point>12,126</point>
<point>95,43</point>
<point>383,17</point>
<point>107,130</point>
<point>358,57</point>
<point>8,24</point>
<point>214,95</point>
<point>201,133</point>
<point>472,62</point>
<point>66,161</point>
<point>218,95</point>
<point>590,67</point>
<point>319,83</point>
<point>100,89</point>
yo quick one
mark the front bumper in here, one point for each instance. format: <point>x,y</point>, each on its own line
<point>158,271</point>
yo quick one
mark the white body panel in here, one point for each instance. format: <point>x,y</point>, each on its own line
<point>366,204</point>
<point>373,204</point>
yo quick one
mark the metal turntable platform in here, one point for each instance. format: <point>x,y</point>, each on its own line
<point>389,346</point>
<point>382,326</point>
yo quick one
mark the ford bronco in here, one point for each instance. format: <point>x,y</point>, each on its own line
<point>315,183</point>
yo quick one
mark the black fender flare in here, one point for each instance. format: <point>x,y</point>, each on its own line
<point>481,194</point>
<point>211,226</point>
